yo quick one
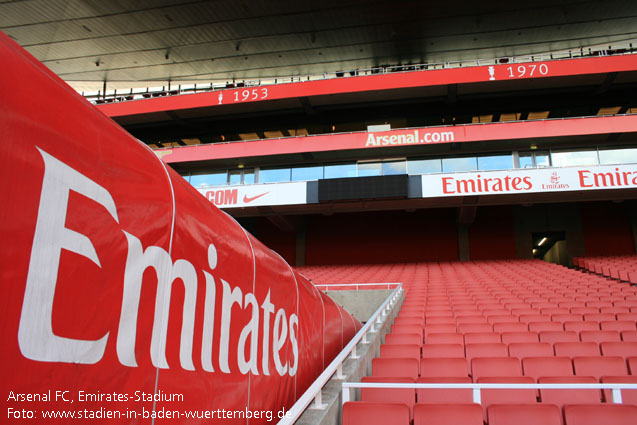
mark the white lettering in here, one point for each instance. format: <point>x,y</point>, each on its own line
<point>35,333</point>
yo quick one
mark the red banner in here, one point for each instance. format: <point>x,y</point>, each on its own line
<point>416,137</point>
<point>423,78</point>
<point>127,297</point>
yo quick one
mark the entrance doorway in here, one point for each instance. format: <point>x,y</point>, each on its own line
<point>550,247</point>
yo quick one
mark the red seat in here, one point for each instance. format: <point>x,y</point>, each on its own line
<point>442,350</point>
<point>400,350</point>
<point>530,349</point>
<point>408,329</point>
<point>533,318</point>
<point>524,414</point>
<point>632,317</point>
<point>600,336</point>
<point>622,349</point>
<point>444,395</point>
<point>409,321</point>
<point>443,367</point>
<point>495,367</point>
<point>599,366</point>
<point>474,327</point>
<point>584,310</point>
<point>628,396</point>
<point>537,367</point>
<point>510,327</point>
<point>632,365</point>
<point>629,336</point>
<point>599,317</point>
<point>438,328</point>
<point>579,326</point>
<point>485,350</point>
<point>403,339</point>
<point>527,336</point>
<point>618,325</point>
<point>573,349</point>
<point>546,326</point>
<point>561,318</point>
<point>448,414</point>
<point>506,396</point>
<point>372,413</point>
<point>481,338</point>
<point>390,395</point>
<point>440,320</point>
<point>563,336</point>
<point>589,414</point>
<point>395,367</point>
<point>561,397</point>
<point>444,338</point>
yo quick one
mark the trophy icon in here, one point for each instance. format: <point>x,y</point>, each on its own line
<point>491,73</point>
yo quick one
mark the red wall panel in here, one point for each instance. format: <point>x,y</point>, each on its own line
<point>382,237</point>
<point>606,228</point>
<point>492,236</point>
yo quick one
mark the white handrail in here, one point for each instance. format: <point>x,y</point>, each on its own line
<point>616,388</point>
<point>353,285</point>
<point>314,391</point>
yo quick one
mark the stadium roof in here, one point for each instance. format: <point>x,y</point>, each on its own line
<point>151,42</point>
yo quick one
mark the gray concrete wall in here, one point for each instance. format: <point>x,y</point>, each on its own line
<point>362,304</point>
<point>353,371</point>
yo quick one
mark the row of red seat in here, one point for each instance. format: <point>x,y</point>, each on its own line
<point>516,347</point>
<point>623,268</point>
<point>502,366</point>
<point>379,413</point>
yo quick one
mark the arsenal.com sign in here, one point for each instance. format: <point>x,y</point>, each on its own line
<point>530,181</point>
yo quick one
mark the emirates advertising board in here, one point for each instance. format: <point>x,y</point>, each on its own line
<point>530,181</point>
<point>127,298</point>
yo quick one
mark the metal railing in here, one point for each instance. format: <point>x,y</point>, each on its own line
<point>313,393</point>
<point>355,286</point>
<point>615,388</point>
<point>109,96</point>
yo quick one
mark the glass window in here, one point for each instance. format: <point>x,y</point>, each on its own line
<point>390,168</point>
<point>234,177</point>
<point>212,179</point>
<point>526,160</point>
<point>618,156</point>
<point>186,177</point>
<point>571,158</point>
<point>274,175</point>
<point>424,166</point>
<point>542,159</point>
<point>340,170</point>
<point>307,173</point>
<point>248,176</point>
<point>495,162</point>
<point>369,169</point>
<point>459,164</point>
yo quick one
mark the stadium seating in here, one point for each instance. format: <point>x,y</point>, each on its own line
<point>508,322</point>
<point>561,397</point>
<point>525,414</point>
<point>599,414</point>
<point>375,413</point>
<point>448,414</point>
<point>537,367</point>
<point>386,395</point>
<point>444,395</point>
<point>599,366</point>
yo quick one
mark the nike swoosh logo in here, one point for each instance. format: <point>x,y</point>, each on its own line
<point>247,200</point>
